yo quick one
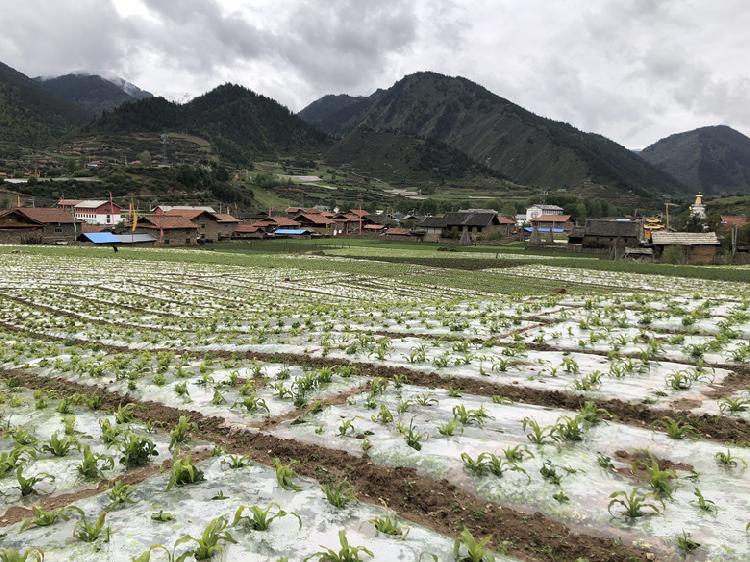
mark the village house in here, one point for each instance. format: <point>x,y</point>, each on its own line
<point>212,227</point>
<point>695,248</point>
<point>476,224</point>
<point>98,211</point>
<point>431,228</point>
<point>552,223</point>
<point>316,222</point>
<point>729,222</point>
<point>537,210</point>
<point>38,225</point>
<point>609,233</point>
<point>169,231</point>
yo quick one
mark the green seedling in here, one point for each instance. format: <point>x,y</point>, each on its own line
<point>346,553</point>
<point>260,519</point>
<point>285,475</point>
<point>184,472</point>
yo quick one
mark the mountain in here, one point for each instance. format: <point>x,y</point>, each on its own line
<point>31,116</point>
<point>713,160</point>
<point>330,113</point>
<point>495,133</point>
<point>240,124</point>
<point>93,92</point>
<point>394,157</point>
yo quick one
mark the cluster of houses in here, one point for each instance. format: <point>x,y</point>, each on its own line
<point>105,222</point>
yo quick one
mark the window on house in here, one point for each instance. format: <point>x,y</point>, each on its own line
<point>58,229</point>
<point>187,241</point>
<point>166,241</point>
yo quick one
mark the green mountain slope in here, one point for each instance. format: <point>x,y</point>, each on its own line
<point>394,156</point>
<point>331,113</point>
<point>714,160</point>
<point>499,134</point>
<point>240,124</point>
<point>30,116</point>
<point>91,92</point>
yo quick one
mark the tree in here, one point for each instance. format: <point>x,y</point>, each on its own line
<point>145,158</point>
<point>694,224</point>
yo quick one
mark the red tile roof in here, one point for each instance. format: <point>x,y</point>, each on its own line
<point>285,221</point>
<point>48,215</point>
<point>374,227</point>
<point>189,214</point>
<point>315,219</point>
<point>359,212</point>
<point>166,222</point>
<point>734,220</point>
<point>505,220</point>
<point>247,228</point>
<point>224,217</point>
<point>398,231</point>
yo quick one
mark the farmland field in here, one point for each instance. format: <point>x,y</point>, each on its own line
<point>267,405</point>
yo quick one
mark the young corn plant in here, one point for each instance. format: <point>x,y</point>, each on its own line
<point>125,414</point>
<point>468,549</point>
<point>119,495</point>
<point>390,525</point>
<point>414,438</point>
<point>347,552</point>
<point>728,460</point>
<point>686,544</point>
<point>260,519</point>
<point>17,456</point>
<point>209,544</point>
<point>675,429</point>
<point>184,472</point>
<point>633,504</point>
<point>449,428</point>
<point>136,450</point>
<point>59,446</point>
<point>44,518</point>
<point>703,504</point>
<point>235,461</point>
<point>181,432</point>
<point>26,485</point>
<point>539,435</point>
<point>90,531</point>
<point>92,464</point>
<point>28,555</point>
<point>338,494</point>
<point>285,475</point>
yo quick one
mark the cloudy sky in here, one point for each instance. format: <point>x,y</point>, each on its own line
<point>633,70</point>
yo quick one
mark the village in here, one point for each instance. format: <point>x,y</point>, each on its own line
<point>104,222</point>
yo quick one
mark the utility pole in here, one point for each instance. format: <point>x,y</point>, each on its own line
<point>667,205</point>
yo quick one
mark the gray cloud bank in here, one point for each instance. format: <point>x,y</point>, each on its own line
<point>632,70</point>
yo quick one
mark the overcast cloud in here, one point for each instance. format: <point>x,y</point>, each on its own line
<point>633,70</point>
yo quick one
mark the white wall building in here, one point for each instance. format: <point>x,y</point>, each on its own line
<point>536,210</point>
<point>95,211</point>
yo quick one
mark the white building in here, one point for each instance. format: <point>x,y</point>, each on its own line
<point>98,211</point>
<point>536,210</point>
<point>698,209</point>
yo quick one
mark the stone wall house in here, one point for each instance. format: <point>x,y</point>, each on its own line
<point>608,233</point>
<point>17,228</point>
<point>58,226</point>
<point>169,231</point>
<point>212,227</point>
<point>695,248</point>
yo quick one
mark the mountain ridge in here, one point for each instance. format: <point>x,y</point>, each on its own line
<point>713,159</point>
<point>496,133</point>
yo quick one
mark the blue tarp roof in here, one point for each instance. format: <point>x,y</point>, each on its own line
<point>554,230</point>
<point>101,237</point>
<point>291,231</point>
